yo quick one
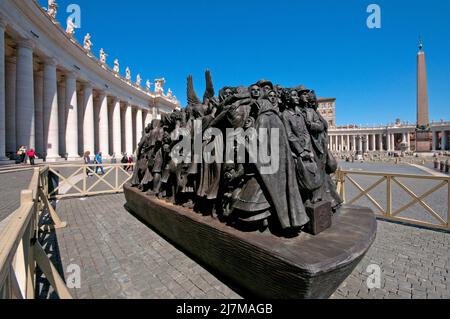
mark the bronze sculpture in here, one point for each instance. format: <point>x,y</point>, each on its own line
<point>241,192</point>
<point>252,158</point>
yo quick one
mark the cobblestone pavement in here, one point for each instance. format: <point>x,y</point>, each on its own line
<point>414,263</point>
<point>120,257</point>
<point>10,186</point>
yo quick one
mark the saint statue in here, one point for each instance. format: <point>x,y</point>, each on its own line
<point>138,80</point>
<point>116,66</point>
<point>87,42</point>
<point>169,93</point>
<point>159,86</point>
<point>70,29</point>
<point>128,74</point>
<point>52,8</point>
<point>148,85</point>
<point>103,56</point>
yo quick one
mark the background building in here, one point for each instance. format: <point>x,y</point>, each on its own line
<point>327,108</point>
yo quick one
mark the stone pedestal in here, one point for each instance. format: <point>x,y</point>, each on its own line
<point>423,142</point>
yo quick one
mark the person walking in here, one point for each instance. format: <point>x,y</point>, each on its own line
<point>87,161</point>
<point>99,161</point>
<point>31,155</point>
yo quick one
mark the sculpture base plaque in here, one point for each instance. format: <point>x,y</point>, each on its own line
<point>261,264</point>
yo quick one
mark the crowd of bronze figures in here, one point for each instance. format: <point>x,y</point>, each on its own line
<point>239,193</point>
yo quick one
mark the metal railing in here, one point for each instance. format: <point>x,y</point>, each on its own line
<point>20,250</point>
<point>389,201</point>
<point>76,180</point>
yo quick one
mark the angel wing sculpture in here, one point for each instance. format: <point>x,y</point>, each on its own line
<point>191,95</point>
<point>209,92</point>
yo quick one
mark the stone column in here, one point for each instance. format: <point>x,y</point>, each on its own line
<point>360,142</point>
<point>72,117</point>
<point>103,126</point>
<point>366,148</point>
<point>433,134</point>
<point>39,111</point>
<point>348,143</point>
<point>374,146</point>
<point>62,116</point>
<point>444,140</point>
<point>129,130</point>
<point>393,142</point>
<point>51,116</point>
<point>88,120</point>
<point>116,128</point>
<point>2,93</point>
<point>138,126</point>
<point>353,143</point>
<point>10,111</point>
<point>80,120</point>
<point>388,140</point>
<point>25,132</point>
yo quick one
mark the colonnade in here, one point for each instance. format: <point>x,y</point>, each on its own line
<point>57,112</point>
<point>365,142</point>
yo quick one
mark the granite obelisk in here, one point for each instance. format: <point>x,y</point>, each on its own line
<point>423,134</point>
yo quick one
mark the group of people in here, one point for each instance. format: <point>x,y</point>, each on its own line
<point>23,153</point>
<point>243,194</point>
<point>98,161</point>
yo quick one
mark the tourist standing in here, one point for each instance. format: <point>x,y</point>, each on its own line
<point>31,155</point>
<point>124,161</point>
<point>99,161</point>
<point>130,161</point>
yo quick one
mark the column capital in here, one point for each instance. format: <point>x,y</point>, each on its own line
<point>25,43</point>
<point>116,100</point>
<point>50,61</point>
<point>70,75</point>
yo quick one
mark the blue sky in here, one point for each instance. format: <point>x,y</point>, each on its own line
<point>323,44</point>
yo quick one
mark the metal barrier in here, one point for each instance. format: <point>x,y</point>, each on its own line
<point>344,179</point>
<point>20,250</point>
<point>85,180</point>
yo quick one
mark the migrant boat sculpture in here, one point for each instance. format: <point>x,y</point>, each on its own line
<point>243,182</point>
